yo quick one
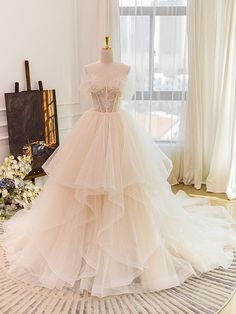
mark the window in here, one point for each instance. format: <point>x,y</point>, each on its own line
<point>153,41</point>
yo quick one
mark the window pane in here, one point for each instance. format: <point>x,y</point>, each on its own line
<point>135,43</point>
<point>165,120</point>
<point>159,67</point>
<point>170,71</point>
<point>161,119</point>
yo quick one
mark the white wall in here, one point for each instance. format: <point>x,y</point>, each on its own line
<point>44,32</point>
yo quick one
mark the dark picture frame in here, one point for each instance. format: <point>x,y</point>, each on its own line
<point>32,126</point>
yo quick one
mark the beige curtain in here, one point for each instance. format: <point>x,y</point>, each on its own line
<point>208,153</point>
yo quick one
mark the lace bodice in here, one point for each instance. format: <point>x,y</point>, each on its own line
<point>105,96</point>
<point>105,99</point>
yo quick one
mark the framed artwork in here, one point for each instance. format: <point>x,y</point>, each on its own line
<point>32,126</point>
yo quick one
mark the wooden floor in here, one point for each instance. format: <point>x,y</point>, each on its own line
<point>216,199</point>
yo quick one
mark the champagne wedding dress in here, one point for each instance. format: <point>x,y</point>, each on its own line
<point>107,220</point>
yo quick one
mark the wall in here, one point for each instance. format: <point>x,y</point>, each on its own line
<point>45,33</point>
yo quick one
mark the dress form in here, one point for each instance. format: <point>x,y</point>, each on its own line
<point>106,69</point>
<point>107,206</point>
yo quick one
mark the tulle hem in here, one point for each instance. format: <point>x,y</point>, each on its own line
<point>107,221</point>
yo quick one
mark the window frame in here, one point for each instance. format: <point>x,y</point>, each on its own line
<point>152,13</point>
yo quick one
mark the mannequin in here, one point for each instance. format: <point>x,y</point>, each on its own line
<point>106,69</point>
<point>107,220</point>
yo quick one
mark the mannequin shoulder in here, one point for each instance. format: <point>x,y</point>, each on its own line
<point>91,67</point>
<point>124,68</point>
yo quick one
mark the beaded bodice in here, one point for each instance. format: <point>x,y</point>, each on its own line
<point>105,96</point>
<point>105,99</point>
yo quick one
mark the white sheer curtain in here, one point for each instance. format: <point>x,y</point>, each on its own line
<point>150,35</point>
<point>153,42</point>
<point>209,155</point>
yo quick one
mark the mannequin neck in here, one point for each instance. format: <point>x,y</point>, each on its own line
<point>106,56</point>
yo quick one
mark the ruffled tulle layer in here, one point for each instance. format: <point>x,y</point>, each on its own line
<point>107,221</point>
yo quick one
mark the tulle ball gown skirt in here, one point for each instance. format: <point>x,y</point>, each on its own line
<point>107,221</point>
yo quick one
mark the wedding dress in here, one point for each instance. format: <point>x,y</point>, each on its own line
<point>107,220</point>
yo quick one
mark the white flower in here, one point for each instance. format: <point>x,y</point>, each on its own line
<point>9,174</point>
<point>17,182</point>
<point>4,193</point>
<point>24,192</point>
